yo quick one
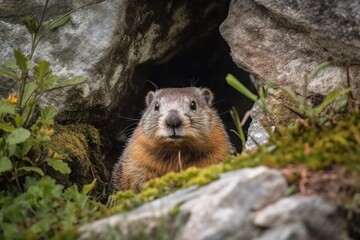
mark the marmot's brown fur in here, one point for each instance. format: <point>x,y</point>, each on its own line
<point>178,129</point>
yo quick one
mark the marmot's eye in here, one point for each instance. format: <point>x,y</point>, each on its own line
<point>157,106</point>
<point>193,105</point>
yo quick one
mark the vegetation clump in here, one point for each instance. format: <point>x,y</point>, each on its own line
<point>32,204</point>
<point>44,210</point>
<point>81,143</point>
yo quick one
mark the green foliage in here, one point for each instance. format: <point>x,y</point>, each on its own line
<point>306,110</point>
<point>37,208</point>
<point>24,134</point>
<point>337,99</point>
<point>44,210</point>
<point>82,144</point>
<point>318,147</point>
<point>88,187</point>
<point>232,81</point>
<point>260,100</point>
<point>239,130</point>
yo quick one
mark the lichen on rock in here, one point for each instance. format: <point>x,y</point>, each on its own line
<point>81,143</point>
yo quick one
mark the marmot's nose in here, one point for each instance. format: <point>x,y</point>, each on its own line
<point>173,119</point>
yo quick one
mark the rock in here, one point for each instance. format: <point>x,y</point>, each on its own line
<point>257,134</point>
<point>112,43</point>
<point>211,212</point>
<point>284,42</point>
<point>73,49</point>
<point>243,204</point>
<point>277,115</point>
<point>293,231</point>
<point>320,218</point>
<point>224,205</point>
<point>147,219</point>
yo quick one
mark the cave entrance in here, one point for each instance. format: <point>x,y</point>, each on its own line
<point>205,63</point>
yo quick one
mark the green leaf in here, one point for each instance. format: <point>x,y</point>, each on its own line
<point>7,108</point>
<point>232,81</point>
<point>291,95</point>
<point>11,64</point>
<point>5,164</point>
<point>31,23</point>
<point>88,187</point>
<point>21,60</point>
<point>28,91</point>
<point>42,70</point>
<point>12,150</point>
<point>26,147</point>
<point>18,120</point>
<point>7,127</point>
<point>48,82</point>
<point>59,165</point>
<point>71,82</point>
<point>330,98</point>
<point>317,70</point>
<point>9,74</point>
<point>19,135</point>
<point>262,93</point>
<point>239,130</point>
<point>59,21</point>
<point>30,64</point>
<point>47,115</point>
<point>33,169</point>
<point>26,112</point>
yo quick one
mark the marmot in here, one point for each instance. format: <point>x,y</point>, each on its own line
<point>178,129</point>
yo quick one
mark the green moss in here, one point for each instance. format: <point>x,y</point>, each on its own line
<point>81,143</point>
<point>314,147</point>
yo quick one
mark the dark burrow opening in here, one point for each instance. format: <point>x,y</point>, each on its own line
<point>204,64</point>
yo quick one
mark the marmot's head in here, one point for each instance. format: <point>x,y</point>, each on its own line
<point>177,115</point>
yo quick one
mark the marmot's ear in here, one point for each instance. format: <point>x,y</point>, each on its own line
<point>149,98</point>
<point>208,96</point>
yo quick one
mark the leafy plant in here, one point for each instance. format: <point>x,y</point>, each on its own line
<point>25,134</point>
<point>300,105</point>
<point>305,109</point>
<point>259,99</point>
<point>44,210</point>
<point>238,125</point>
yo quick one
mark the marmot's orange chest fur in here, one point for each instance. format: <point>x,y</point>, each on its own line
<point>178,129</point>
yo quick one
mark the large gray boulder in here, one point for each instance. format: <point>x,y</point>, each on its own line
<point>244,204</point>
<point>112,43</point>
<point>285,41</point>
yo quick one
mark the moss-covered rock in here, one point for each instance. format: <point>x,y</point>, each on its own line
<point>81,143</point>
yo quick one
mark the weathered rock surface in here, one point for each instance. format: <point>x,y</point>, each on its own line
<point>112,43</point>
<point>237,206</point>
<point>285,41</point>
<point>262,124</point>
<point>257,134</point>
<point>311,213</point>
